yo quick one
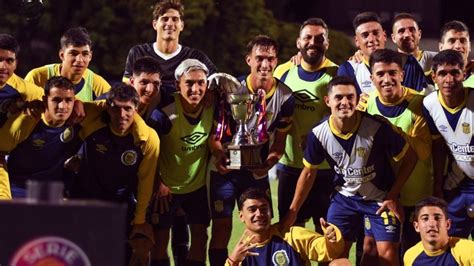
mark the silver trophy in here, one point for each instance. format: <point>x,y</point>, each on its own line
<point>244,149</point>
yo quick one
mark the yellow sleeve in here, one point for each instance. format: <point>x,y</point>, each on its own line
<point>412,253</point>
<point>462,250</point>
<point>100,86</point>
<point>5,192</point>
<point>126,80</point>
<point>314,246</point>
<point>93,120</point>
<point>282,69</point>
<point>146,175</point>
<point>27,90</point>
<point>38,76</point>
<point>15,130</point>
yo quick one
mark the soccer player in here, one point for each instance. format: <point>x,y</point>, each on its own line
<point>264,244</point>
<point>308,82</point>
<point>75,54</point>
<point>359,147</point>
<point>184,126</point>
<point>455,35</point>
<point>406,35</point>
<point>402,107</point>
<point>14,91</point>
<point>226,185</point>
<point>168,23</point>
<point>449,114</point>
<point>436,247</point>
<point>370,36</point>
<point>38,147</point>
<point>119,160</point>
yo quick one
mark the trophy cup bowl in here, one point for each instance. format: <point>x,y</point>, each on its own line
<point>244,149</point>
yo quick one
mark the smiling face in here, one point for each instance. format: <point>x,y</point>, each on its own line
<point>169,25</point>
<point>59,105</point>
<point>433,226</point>
<point>342,100</point>
<point>406,35</point>
<point>192,86</point>
<point>369,37</point>
<point>456,40</point>
<point>147,86</point>
<point>256,215</point>
<point>313,43</point>
<point>75,60</point>
<point>7,65</point>
<point>262,62</point>
<point>121,115</point>
<point>387,78</point>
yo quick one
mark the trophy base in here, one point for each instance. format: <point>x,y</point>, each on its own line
<point>244,156</point>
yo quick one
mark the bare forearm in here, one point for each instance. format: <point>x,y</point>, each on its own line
<point>409,162</point>
<point>303,187</point>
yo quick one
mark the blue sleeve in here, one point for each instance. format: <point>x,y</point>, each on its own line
<point>394,143</point>
<point>286,111</point>
<point>160,122</point>
<point>430,122</point>
<point>314,152</point>
<point>347,70</point>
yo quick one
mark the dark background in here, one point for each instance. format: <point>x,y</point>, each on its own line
<point>220,28</point>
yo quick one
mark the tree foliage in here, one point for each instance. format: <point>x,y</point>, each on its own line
<point>220,28</point>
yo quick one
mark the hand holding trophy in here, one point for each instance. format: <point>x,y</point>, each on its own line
<point>244,149</point>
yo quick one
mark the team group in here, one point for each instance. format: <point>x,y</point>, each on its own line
<point>378,150</point>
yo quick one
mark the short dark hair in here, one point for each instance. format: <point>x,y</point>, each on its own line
<point>341,80</point>
<point>161,7</point>
<point>315,22</point>
<point>146,64</point>
<point>364,18</point>
<point>122,92</point>
<point>433,202</point>
<point>401,16</point>
<point>263,41</point>
<point>77,36</point>
<point>58,82</point>
<point>447,57</point>
<point>456,25</point>
<point>386,56</point>
<point>9,43</point>
<point>253,193</point>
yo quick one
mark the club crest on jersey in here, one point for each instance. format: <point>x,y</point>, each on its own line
<point>218,206</point>
<point>67,135</point>
<point>280,258</point>
<point>129,157</point>
<point>466,128</point>
<point>360,151</point>
<point>50,250</point>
